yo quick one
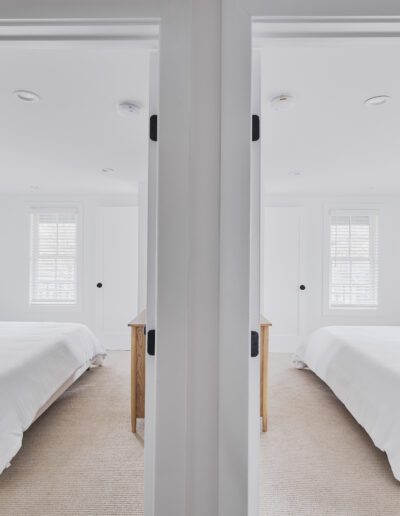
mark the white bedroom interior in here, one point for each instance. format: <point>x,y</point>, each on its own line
<point>327,153</point>
<point>329,168</point>
<point>330,249</point>
<point>83,152</point>
<point>73,226</point>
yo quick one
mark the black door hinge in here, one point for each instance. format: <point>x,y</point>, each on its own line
<point>255,128</point>
<point>153,128</point>
<point>151,342</point>
<point>254,344</point>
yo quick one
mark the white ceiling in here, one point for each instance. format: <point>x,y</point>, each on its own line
<point>62,142</point>
<point>338,145</point>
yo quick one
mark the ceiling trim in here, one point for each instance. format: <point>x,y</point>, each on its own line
<point>272,30</point>
<point>144,32</point>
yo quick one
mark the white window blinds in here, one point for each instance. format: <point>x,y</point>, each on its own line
<point>353,278</point>
<point>54,248</point>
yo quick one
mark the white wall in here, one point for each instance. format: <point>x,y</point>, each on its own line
<point>313,262</point>
<point>14,256</point>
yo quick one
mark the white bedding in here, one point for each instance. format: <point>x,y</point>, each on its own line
<point>361,364</point>
<point>36,359</point>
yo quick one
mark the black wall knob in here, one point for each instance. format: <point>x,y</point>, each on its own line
<point>99,285</point>
<point>302,287</point>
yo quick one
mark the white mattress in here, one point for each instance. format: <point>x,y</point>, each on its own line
<point>36,359</point>
<point>361,364</point>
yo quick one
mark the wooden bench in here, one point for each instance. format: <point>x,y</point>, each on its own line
<point>138,368</point>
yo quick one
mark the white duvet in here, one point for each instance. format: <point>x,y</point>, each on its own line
<point>36,359</point>
<point>361,364</point>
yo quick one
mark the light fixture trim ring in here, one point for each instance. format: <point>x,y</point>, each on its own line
<point>27,96</point>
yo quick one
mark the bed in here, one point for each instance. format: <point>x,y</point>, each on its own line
<point>361,364</point>
<point>38,362</point>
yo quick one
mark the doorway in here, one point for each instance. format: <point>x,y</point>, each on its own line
<point>323,182</point>
<point>76,163</point>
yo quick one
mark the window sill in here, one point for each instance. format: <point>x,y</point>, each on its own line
<point>54,308</point>
<point>352,311</point>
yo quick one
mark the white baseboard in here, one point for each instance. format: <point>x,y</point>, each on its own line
<point>120,342</point>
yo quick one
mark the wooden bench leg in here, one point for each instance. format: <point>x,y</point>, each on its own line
<point>133,378</point>
<point>264,376</point>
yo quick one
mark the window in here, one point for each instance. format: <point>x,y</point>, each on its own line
<point>353,275</point>
<point>54,248</point>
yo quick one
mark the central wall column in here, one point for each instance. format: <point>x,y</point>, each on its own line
<point>187,365</point>
<point>201,462</point>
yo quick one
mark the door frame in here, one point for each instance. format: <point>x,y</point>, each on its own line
<point>141,33</point>
<point>151,289</point>
<point>238,43</point>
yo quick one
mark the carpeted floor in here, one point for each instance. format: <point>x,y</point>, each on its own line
<point>80,457</point>
<point>315,460</point>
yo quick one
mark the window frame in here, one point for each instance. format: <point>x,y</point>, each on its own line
<point>349,310</point>
<point>58,307</point>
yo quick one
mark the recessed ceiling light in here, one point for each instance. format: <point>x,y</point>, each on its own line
<point>378,100</point>
<point>128,108</point>
<point>282,102</point>
<point>27,96</point>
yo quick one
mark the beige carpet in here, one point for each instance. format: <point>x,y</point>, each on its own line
<point>81,459</point>
<point>316,460</point>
